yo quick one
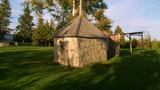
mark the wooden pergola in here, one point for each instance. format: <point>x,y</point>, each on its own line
<point>139,34</point>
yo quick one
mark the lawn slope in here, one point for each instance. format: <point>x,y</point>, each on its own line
<point>32,68</point>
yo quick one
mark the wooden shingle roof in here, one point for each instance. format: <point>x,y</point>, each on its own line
<point>80,27</point>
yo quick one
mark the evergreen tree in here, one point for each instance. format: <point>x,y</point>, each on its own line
<point>46,33</point>
<point>37,35</point>
<point>53,30</point>
<point>43,33</point>
<point>5,15</point>
<point>110,32</point>
<point>52,26</point>
<point>118,30</point>
<point>25,26</point>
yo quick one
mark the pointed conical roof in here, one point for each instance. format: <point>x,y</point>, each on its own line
<point>80,27</point>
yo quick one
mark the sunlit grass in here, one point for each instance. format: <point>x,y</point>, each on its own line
<point>33,68</point>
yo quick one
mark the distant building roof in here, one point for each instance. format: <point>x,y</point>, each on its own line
<point>80,27</point>
<point>8,37</point>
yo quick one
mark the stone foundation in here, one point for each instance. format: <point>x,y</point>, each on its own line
<point>66,51</point>
<point>92,51</point>
<point>79,52</point>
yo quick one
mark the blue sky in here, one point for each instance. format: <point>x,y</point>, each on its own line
<point>131,15</point>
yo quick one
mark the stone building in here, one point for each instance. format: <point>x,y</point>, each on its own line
<point>80,43</point>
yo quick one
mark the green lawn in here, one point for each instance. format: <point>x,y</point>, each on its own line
<point>32,68</point>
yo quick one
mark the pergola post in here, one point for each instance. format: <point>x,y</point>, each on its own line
<point>131,49</point>
<point>142,40</point>
<point>129,35</point>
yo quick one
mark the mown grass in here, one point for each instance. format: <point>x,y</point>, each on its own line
<point>32,68</point>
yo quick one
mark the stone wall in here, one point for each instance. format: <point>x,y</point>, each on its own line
<point>79,52</point>
<point>92,50</point>
<point>66,51</point>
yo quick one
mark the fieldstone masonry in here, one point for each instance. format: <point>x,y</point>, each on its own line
<point>79,52</point>
<point>80,43</point>
<point>92,51</point>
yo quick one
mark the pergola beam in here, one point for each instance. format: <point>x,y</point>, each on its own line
<point>129,35</point>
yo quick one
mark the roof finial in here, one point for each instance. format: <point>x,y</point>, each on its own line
<point>80,8</point>
<point>73,11</point>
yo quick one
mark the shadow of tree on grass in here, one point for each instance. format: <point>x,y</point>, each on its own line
<point>35,70</point>
<point>131,73</point>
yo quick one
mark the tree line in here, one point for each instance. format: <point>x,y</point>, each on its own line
<point>62,11</point>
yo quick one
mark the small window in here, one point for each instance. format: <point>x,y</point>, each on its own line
<point>61,43</point>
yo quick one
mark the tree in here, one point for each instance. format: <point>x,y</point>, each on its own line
<point>104,24</point>
<point>52,26</point>
<point>158,44</point>
<point>110,32</point>
<point>49,29</point>
<point>52,31</point>
<point>45,33</point>
<point>154,44</point>
<point>25,25</point>
<point>38,6</point>
<point>5,15</point>
<point>62,11</point>
<point>118,30</point>
<point>37,35</point>
<point>134,43</point>
<point>95,8</point>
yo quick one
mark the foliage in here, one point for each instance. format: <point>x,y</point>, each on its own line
<point>32,68</point>
<point>158,44</point>
<point>61,10</point>
<point>135,43</point>
<point>25,26</point>
<point>119,30</point>
<point>154,44</point>
<point>43,33</point>
<point>37,37</point>
<point>38,6</point>
<point>104,24</point>
<point>147,44</point>
<point>5,15</point>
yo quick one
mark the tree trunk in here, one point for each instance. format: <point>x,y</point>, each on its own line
<point>45,43</point>
<point>41,43</point>
<point>1,34</point>
<point>49,44</point>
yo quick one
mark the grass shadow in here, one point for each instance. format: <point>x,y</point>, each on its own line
<point>134,72</point>
<point>35,70</point>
